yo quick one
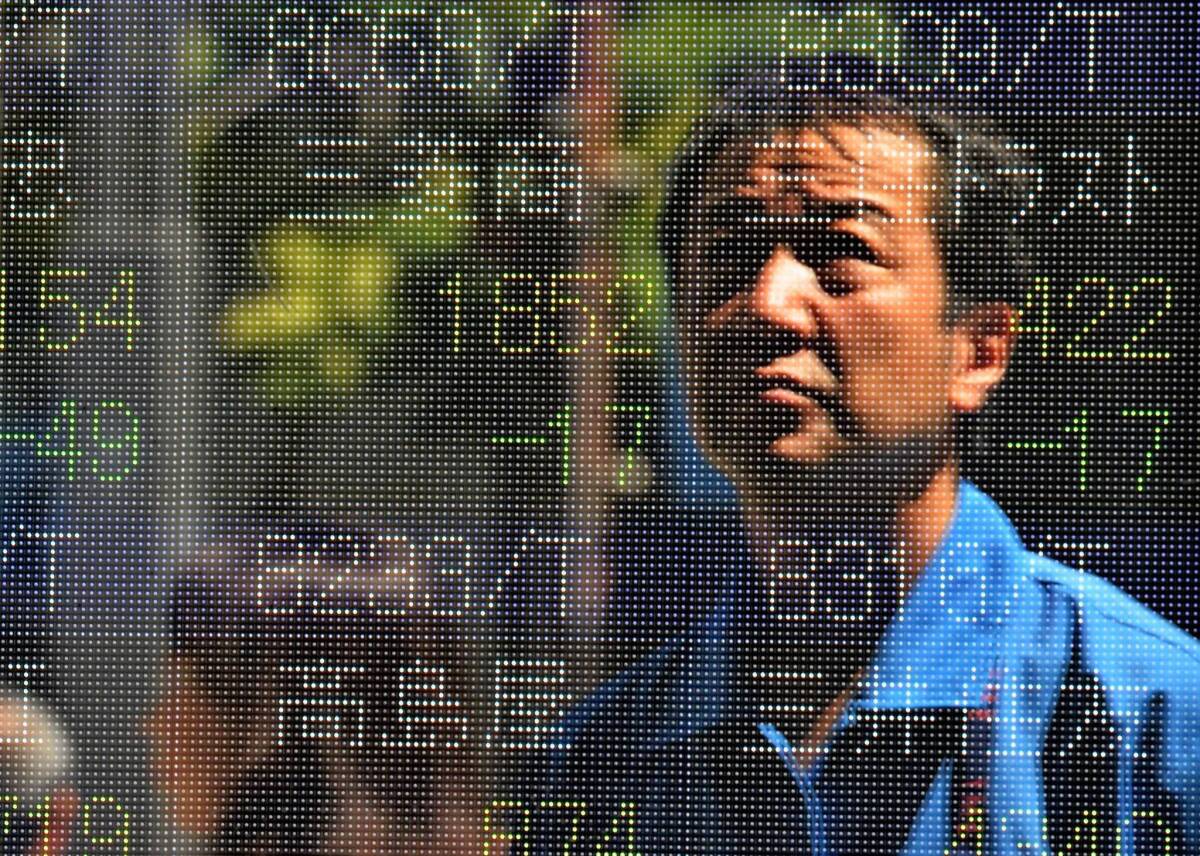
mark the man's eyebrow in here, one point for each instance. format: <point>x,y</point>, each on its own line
<point>732,210</point>
<point>850,209</point>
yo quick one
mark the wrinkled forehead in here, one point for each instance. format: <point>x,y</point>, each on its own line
<point>889,165</point>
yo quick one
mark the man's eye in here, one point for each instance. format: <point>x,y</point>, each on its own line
<point>853,247</point>
<point>823,249</point>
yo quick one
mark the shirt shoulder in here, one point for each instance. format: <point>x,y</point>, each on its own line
<point>1132,692</point>
<point>1116,624</point>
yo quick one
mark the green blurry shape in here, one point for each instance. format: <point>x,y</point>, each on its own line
<point>201,55</point>
<point>297,264</point>
<point>327,308</point>
<point>334,292</point>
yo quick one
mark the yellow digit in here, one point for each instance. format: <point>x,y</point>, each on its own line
<point>506,834</point>
<point>118,835</point>
<point>119,311</point>
<point>621,833</point>
<point>48,298</point>
<point>578,810</point>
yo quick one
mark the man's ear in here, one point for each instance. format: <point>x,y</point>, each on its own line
<point>983,341</point>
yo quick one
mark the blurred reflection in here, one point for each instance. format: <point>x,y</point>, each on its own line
<point>311,706</point>
<point>37,805</point>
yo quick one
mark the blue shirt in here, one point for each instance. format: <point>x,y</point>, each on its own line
<point>1012,706</point>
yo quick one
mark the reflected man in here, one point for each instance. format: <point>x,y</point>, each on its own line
<point>901,676</point>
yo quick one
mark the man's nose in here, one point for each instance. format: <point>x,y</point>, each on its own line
<point>784,294</point>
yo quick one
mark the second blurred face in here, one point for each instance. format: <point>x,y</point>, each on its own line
<point>193,754</point>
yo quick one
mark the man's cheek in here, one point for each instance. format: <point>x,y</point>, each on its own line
<point>871,330</point>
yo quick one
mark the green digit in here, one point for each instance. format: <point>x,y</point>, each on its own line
<point>128,442</point>
<point>1164,419</point>
<point>64,423</point>
<point>560,421</point>
<point>1078,425</point>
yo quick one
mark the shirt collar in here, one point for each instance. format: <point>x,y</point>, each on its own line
<point>941,648</point>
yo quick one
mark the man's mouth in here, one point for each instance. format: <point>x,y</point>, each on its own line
<point>787,391</point>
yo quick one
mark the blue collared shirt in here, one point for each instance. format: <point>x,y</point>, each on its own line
<point>1087,705</point>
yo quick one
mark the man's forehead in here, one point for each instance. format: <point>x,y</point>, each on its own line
<point>838,160</point>
<point>842,150</point>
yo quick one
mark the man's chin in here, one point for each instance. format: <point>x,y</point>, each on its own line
<point>806,449</point>
<point>819,472</point>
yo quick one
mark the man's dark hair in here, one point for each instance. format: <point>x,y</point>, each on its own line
<point>981,180</point>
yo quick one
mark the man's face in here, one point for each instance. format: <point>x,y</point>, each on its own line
<point>811,312</point>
